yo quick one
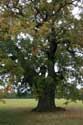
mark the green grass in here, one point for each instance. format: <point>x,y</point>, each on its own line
<point>18,112</point>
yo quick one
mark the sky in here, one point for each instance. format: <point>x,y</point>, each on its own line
<point>76,12</point>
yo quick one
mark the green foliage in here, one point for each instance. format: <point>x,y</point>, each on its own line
<point>42,84</point>
<point>49,25</point>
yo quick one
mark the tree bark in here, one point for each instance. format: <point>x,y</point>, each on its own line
<point>46,102</point>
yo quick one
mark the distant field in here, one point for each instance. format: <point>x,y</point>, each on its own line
<point>18,112</point>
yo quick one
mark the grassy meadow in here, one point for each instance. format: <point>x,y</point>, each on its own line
<point>18,112</point>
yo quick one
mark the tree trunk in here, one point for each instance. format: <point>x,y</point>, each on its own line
<point>46,102</point>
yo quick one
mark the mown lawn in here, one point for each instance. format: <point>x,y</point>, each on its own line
<point>18,112</point>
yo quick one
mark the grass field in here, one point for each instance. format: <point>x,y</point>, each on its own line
<point>18,112</point>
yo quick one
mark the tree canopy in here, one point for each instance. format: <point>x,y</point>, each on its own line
<point>41,43</point>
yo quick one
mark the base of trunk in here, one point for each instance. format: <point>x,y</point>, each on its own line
<point>47,106</point>
<point>46,102</point>
<point>56,109</point>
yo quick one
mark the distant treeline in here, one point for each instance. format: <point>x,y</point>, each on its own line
<point>14,96</point>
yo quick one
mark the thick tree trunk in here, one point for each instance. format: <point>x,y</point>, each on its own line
<point>46,102</point>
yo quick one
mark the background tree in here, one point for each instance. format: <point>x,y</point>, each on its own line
<point>53,39</point>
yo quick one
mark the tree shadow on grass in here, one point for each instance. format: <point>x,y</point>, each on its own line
<point>13,116</point>
<point>24,116</point>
